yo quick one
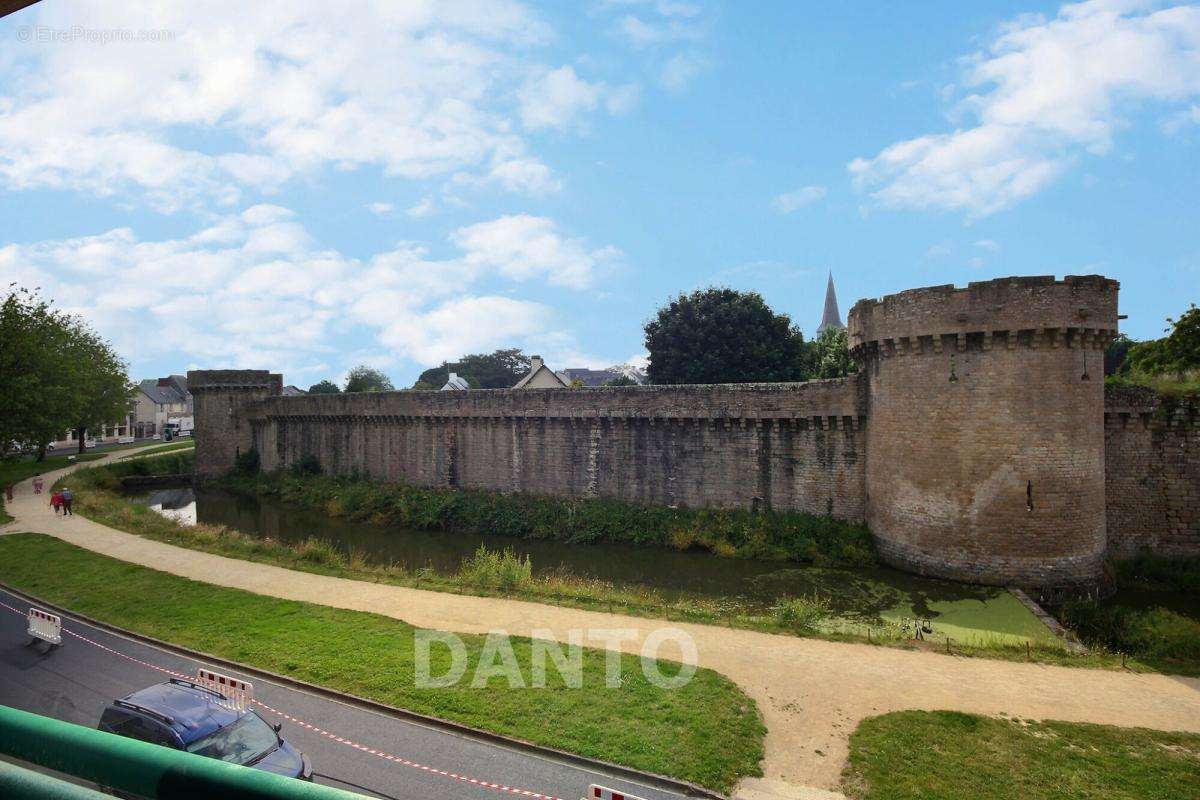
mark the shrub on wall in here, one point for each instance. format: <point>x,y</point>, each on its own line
<point>776,535</point>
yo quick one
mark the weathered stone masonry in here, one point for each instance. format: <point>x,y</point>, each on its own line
<point>974,442</point>
<point>1152,472</point>
<point>791,446</point>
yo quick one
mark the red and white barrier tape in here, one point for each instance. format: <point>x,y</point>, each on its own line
<point>321,731</point>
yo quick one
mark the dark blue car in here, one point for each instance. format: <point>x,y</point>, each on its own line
<point>187,716</point>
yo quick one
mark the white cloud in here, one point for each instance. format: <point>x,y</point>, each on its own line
<point>246,97</point>
<point>939,250</point>
<point>792,201</point>
<point>252,290</point>
<point>522,246</point>
<point>642,32</point>
<point>680,69</point>
<point>988,244</point>
<point>423,208</point>
<point>380,209</point>
<point>1042,94</point>
<point>559,98</point>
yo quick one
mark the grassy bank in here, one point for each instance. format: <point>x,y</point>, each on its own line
<point>18,470</point>
<point>936,755</point>
<point>765,535</point>
<point>186,444</point>
<point>1141,620</point>
<point>707,731</point>
<point>499,574</point>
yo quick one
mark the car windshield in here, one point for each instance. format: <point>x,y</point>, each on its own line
<point>246,740</point>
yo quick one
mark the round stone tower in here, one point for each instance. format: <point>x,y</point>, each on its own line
<point>220,398</point>
<point>985,442</point>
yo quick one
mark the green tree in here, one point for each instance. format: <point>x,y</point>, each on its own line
<point>1117,353</point>
<point>35,402</point>
<point>831,354</point>
<point>367,379</point>
<point>498,370</point>
<point>621,380</point>
<point>1177,353</point>
<point>719,335</point>
<point>100,380</point>
<point>56,374</point>
<point>324,387</point>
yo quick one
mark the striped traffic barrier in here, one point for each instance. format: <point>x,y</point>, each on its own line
<point>237,693</point>
<point>45,626</point>
<point>597,792</point>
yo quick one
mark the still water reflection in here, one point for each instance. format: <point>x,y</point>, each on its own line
<point>861,591</point>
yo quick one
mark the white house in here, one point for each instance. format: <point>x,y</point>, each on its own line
<point>540,376</point>
<point>456,384</point>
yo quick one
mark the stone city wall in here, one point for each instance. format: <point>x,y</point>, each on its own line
<point>784,446</point>
<point>1152,472</point>
<point>976,442</point>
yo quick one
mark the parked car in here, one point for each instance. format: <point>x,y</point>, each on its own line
<point>187,716</point>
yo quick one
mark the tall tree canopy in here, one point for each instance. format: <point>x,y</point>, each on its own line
<point>830,354</point>
<point>498,370</point>
<point>1177,353</point>
<point>367,379</point>
<point>324,387</point>
<point>719,335</point>
<point>56,374</point>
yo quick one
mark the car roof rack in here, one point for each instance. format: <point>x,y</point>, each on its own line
<point>200,686</point>
<point>147,711</point>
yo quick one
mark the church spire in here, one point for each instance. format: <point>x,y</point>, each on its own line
<point>832,318</point>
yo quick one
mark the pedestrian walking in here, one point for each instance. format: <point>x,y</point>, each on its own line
<point>67,497</point>
<point>38,484</point>
<point>56,502</point>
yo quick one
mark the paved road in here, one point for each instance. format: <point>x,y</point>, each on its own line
<point>75,681</point>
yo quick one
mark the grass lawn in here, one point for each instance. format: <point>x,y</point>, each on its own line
<point>17,471</point>
<point>944,754</point>
<point>990,623</point>
<point>186,444</point>
<point>707,731</point>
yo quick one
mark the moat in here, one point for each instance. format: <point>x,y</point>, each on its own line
<point>855,593</point>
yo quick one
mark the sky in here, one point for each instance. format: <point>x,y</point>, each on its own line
<point>305,186</point>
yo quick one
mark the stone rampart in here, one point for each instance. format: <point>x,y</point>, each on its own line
<point>785,446</point>
<point>976,441</point>
<point>1152,472</point>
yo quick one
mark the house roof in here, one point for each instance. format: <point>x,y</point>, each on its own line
<point>538,367</point>
<point>293,391</point>
<point>171,389</point>
<point>599,377</point>
<point>456,383</point>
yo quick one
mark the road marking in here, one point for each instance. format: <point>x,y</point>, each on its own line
<point>321,731</point>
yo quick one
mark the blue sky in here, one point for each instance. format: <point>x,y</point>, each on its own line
<point>292,188</point>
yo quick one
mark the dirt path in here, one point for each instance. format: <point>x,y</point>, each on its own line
<point>812,693</point>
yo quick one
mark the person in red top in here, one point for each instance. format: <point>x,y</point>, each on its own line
<point>56,502</point>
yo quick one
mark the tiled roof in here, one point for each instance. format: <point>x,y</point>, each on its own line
<point>172,389</point>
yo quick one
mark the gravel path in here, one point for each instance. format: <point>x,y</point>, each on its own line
<point>812,693</point>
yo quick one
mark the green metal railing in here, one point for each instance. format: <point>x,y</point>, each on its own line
<point>138,768</point>
<point>18,783</point>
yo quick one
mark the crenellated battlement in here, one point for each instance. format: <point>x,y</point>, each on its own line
<point>213,380</point>
<point>978,442</point>
<point>1078,312</point>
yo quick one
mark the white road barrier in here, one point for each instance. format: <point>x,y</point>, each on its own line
<point>237,692</point>
<point>596,792</point>
<point>45,626</point>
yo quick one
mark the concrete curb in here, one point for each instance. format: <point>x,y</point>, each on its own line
<point>1047,619</point>
<point>654,780</point>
